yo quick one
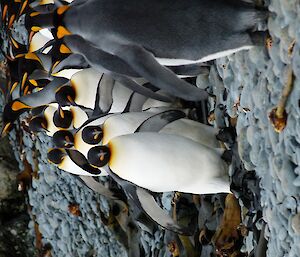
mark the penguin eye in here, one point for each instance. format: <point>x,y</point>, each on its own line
<point>99,156</point>
<point>62,118</point>
<point>92,135</point>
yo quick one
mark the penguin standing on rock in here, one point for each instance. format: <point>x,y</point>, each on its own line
<point>126,37</point>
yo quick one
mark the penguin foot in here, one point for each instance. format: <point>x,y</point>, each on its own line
<point>227,156</point>
<point>227,135</point>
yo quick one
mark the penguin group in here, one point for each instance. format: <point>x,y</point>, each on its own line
<point>104,80</point>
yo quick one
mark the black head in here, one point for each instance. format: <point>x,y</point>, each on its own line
<point>99,156</point>
<point>56,155</point>
<point>38,124</point>
<point>65,96</point>
<point>92,135</point>
<point>63,139</point>
<point>62,118</point>
<point>11,113</point>
<point>36,21</point>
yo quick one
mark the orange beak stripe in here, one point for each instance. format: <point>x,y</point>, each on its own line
<point>4,12</point>
<point>62,9</point>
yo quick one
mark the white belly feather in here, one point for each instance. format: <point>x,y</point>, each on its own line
<point>178,62</point>
<point>163,163</point>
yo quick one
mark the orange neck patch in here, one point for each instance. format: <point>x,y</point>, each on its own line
<point>62,9</point>
<point>62,31</point>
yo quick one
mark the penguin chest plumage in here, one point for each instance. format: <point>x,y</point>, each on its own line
<point>123,124</point>
<point>164,163</point>
<point>79,116</point>
<point>85,84</point>
<point>48,114</point>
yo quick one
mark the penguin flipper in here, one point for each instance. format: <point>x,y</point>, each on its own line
<point>74,61</point>
<point>144,200</point>
<point>156,122</point>
<point>97,187</point>
<point>79,159</point>
<point>129,83</point>
<point>190,70</point>
<point>97,58</point>
<point>145,64</point>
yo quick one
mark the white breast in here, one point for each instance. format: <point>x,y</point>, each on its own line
<point>178,62</point>
<point>122,124</point>
<point>162,163</point>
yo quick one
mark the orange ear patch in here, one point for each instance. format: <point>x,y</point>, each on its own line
<point>62,31</point>
<point>34,14</point>
<point>64,49</point>
<point>62,9</point>
<point>33,56</point>
<point>33,82</point>
<point>16,106</point>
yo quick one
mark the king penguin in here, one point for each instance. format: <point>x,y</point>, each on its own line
<point>62,158</point>
<point>15,108</point>
<point>224,28</point>
<point>163,163</point>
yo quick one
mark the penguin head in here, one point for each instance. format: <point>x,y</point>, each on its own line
<point>92,135</point>
<point>56,155</point>
<point>38,124</point>
<point>99,156</point>
<point>65,95</point>
<point>62,118</point>
<point>36,21</point>
<point>11,112</point>
<point>63,139</point>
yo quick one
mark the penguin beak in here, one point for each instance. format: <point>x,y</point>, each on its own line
<point>6,128</point>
